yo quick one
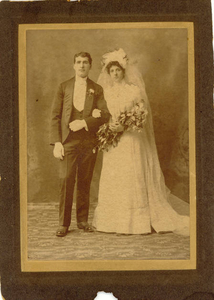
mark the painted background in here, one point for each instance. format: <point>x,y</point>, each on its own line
<point>162,59</point>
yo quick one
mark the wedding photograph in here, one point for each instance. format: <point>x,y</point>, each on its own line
<point>107,146</point>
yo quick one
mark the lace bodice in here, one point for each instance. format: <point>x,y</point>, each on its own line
<point>121,97</point>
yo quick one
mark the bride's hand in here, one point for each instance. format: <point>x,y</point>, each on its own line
<point>116,126</point>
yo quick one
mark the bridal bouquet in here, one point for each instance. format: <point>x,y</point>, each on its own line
<point>132,120</point>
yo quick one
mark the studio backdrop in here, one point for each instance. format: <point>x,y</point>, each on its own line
<point>162,58</point>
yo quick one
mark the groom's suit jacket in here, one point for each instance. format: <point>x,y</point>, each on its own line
<point>63,105</point>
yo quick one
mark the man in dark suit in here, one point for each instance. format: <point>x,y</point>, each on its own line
<point>79,108</point>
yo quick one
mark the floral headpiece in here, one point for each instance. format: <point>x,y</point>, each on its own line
<point>116,55</point>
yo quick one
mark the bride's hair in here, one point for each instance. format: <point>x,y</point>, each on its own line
<point>114,63</point>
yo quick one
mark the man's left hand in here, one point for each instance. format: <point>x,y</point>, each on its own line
<point>77,125</point>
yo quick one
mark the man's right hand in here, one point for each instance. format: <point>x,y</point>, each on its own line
<point>58,151</point>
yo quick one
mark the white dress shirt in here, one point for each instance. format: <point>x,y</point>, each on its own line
<point>79,93</point>
<point>79,96</point>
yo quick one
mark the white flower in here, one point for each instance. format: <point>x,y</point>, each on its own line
<point>96,113</point>
<point>91,91</point>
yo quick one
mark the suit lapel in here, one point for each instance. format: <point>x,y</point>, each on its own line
<point>68,100</point>
<point>89,99</point>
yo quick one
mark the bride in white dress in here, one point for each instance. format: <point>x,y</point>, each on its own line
<point>133,197</point>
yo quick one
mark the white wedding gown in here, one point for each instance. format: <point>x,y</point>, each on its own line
<point>132,193</point>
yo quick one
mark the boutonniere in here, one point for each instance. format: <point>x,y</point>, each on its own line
<point>90,92</point>
<point>96,113</point>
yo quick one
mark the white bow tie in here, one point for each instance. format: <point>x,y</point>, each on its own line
<point>81,83</point>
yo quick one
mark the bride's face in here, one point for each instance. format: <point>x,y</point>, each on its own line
<point>116,74</point>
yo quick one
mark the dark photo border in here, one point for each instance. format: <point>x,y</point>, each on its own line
<point>162,284</point>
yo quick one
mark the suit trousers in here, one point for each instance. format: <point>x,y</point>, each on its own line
<point>77,165</point>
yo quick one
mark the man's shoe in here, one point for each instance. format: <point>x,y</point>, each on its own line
<point>85,226</point>
<point>62,231</point>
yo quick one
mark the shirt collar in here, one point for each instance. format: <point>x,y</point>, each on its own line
<point>80,80</point>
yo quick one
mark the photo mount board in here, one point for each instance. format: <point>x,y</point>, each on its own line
<point>124,283</point>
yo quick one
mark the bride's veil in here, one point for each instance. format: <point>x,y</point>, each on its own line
<point>157,191</point>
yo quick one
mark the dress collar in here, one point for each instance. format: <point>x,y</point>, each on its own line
<point>119,84</point>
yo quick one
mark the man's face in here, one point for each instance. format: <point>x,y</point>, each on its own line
<point>82,66</point>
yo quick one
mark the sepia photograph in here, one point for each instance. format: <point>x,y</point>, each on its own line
<point>107,146</point>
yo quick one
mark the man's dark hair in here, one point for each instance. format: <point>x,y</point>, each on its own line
<point>83,54</point>
<point>114,63</point>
